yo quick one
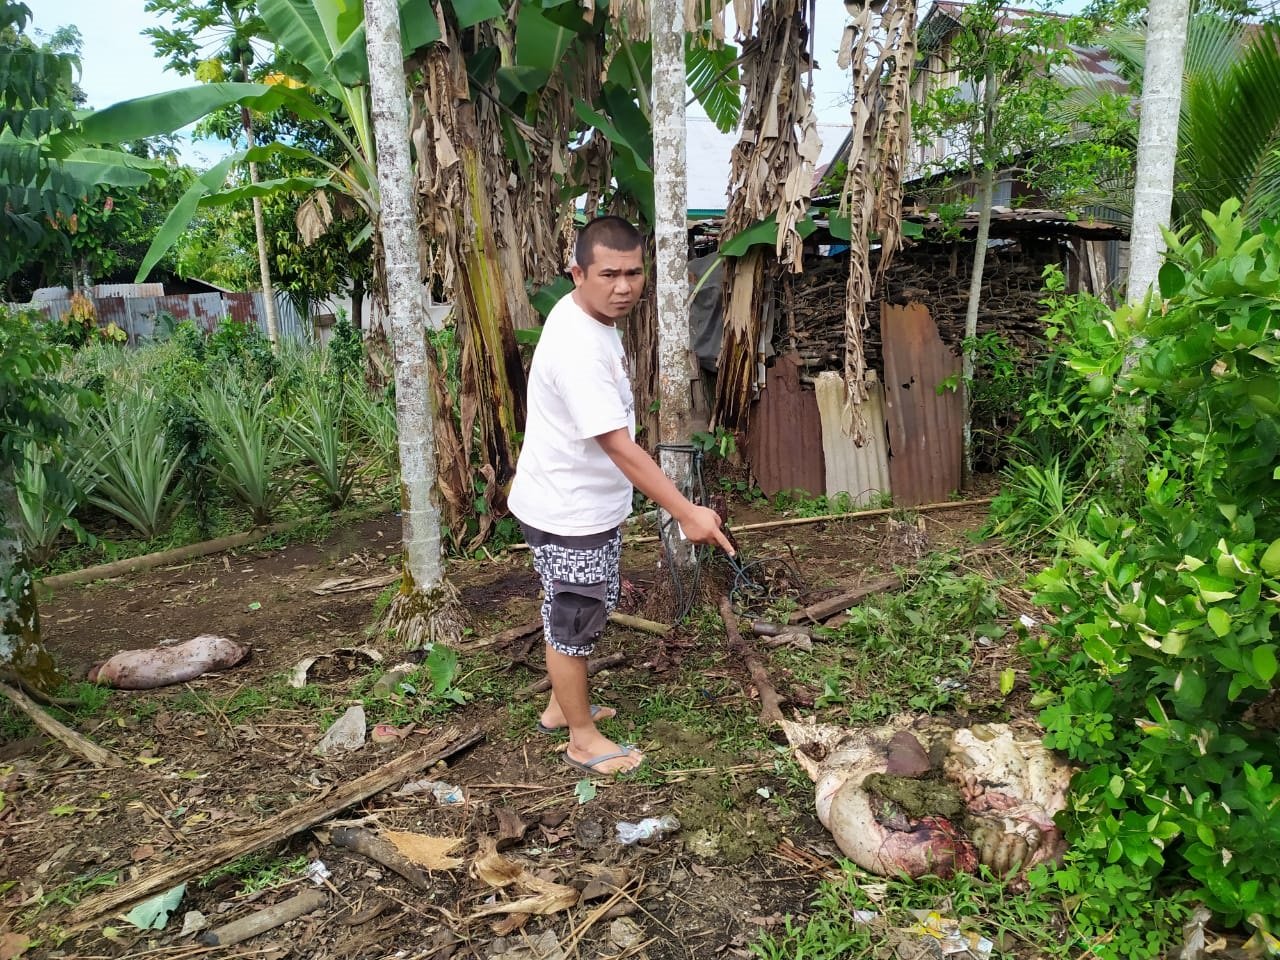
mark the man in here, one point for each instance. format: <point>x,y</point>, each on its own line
<point>574,479</point>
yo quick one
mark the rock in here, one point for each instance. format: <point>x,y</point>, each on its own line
<point>347,733</point>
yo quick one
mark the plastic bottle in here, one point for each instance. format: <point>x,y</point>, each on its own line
<point>650,828</point>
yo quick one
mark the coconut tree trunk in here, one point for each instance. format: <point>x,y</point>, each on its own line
<point>986,192</point>
<point>1157,141</point>
<point>671,246</point>
<point>21,651</point>
<point>425,608</point>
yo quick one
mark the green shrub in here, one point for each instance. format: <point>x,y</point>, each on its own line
<point>319,431</point>
<point>139,479</point>
<point>249,451</point>
<point>1158,672</point>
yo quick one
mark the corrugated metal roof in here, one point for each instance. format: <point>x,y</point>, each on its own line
<point>925,442</point>
<point>1015,220</point>
<point>862,472</point>
<point>116,290</point>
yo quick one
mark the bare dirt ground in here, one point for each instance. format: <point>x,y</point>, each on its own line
<point>216,757</point>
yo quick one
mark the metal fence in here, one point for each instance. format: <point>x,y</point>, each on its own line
<point>136,316</point>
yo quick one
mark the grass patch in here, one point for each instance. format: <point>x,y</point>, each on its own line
<point>904,651</point>
<point>260,870</point>
<point>860,916</point>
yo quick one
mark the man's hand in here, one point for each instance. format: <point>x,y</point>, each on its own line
<point>702,525</point>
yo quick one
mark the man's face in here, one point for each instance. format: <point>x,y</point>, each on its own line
<point>611,285</point>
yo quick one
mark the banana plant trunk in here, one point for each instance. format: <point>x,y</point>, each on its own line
<point>21,651</point>
<point>424,610</point>
<point>466,218</point>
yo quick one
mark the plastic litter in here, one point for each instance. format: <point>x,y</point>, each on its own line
<point>317,872</point>
<point>952,941</point>
<point>347,733</point>
<point>446,794</point>
<point>650,828</point>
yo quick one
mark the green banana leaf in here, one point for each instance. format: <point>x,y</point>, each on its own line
<point>265,188</point>
<point>163,112</point>
<point>418,27</point>
<point>175,224</point>
<point>762,232</point>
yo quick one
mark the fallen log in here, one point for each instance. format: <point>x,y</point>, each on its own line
<point>593,667</point>
<point>280,827</point>
<point>263,920</point>
<point>770,703</point>
<point>368,844</point>
<point>119,568</point>
<point>817,612</point>
<point>85,749</point>
<point>765,628</point>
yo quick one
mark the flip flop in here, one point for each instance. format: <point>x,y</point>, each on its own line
<point>595,712</point>
<point>590,766</point>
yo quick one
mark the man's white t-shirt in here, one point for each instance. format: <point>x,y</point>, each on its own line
<point>565,483</point>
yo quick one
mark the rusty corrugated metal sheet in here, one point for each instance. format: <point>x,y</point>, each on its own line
<point>784,443</point>
<point>206,310</point>
<point>925,442</point>
<point>240,306</point>
<point>113,310</point>
<point>862,472</point>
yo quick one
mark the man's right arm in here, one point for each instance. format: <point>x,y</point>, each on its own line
<point>700,524</point>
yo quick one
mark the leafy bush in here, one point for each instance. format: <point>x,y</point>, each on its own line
<point>319,432</point>
<point>1159,676</point>
<point>250,452</point>
<point>139,479</point>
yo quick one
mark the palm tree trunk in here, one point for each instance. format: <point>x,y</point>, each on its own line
<point>671,244</point>
<point>1157,141</point>
<point>425,609</point>
<point>21,650</point>
<point>259,225</point>
<point>986,192</point>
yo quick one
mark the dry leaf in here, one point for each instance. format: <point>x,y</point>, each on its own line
<point>509,925</point>
<point>13,945</point>
<point>495,869</point>
<point>426,851</point>
<point>552,900</point>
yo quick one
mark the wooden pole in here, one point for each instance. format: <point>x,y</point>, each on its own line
<point>770,703</point>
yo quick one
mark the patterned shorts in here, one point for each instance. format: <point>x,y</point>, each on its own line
<point>580,585</point>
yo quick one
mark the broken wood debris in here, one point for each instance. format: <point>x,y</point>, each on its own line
<point>263,920</point>
<point>81,747</point>
<point>817,612</point>
<point>354,584</point>
<point>770,703</point>
<point>368,844</point>
<point>279,827</point>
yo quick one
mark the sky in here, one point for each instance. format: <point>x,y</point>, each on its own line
<point>118,62</point>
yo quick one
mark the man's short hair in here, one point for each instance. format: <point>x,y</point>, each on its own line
<point>612,233</point>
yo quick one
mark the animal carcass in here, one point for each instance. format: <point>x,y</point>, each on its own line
<point>916,796</point>
<point>168,663</point>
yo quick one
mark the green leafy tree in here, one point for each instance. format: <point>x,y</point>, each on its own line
<point>1006,114</point>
